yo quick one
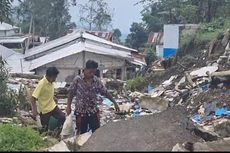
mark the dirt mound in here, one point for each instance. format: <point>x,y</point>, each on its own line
<point>159,132</point>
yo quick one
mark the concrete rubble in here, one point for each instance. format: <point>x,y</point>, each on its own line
<point>204,91</point>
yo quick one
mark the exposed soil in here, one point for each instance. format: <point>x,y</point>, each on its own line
<point>159,132</point>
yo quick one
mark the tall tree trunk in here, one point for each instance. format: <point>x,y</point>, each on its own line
<point>209,11</point>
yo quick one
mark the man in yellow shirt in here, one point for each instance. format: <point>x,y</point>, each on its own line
<point>44,95</point>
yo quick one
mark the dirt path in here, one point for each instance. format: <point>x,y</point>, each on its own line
<point>159,132</point>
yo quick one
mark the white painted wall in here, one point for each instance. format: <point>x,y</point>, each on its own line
<point>171,36</point>
<point>70,65</point>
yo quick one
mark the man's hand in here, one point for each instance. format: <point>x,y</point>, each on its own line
<point>34,108</point>
<point>56,99</point>
<point>110,97</point>
<point>34,114</point>
<point>68,110</point>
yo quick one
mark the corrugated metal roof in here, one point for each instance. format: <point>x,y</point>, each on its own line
<point>52,44</point>
<point>156,37</point>
<point>5,26</point>
<point>5,52</point>
<point>138,62</point>
<point>64,52</point>
<point>101,40</point>
<point>105,35</point>
<point>75,49</point>
<point>107,51</point>
<point>14,61</point>
<point>17,64</point>
<point>12,39</point>
<point>71,37</point>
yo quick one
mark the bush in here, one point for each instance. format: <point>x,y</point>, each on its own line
<point>136,84</point>
<point>203,37</point>
<point>213,26</point>
<point>150,54</point>
<point>23,98</point>
<point>210,31</point>
<point>8,101</point>
<point>14,138</point>
<point>8,104</point>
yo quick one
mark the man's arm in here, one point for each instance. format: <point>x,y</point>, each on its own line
<point>110,97</point>
<point>69,102</point>
<point>34,98</point>
<point>34,107</point>
<point>72,90</point>
<point>104,92</point>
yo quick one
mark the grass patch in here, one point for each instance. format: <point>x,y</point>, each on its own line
<point>15,138</point>
<point>200,40</point>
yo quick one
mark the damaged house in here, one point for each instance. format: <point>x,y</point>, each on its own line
<point>70,53</point>
<point>12,38</point>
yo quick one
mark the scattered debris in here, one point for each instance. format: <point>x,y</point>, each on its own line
<point>214,146</point>
<point>61,146</point>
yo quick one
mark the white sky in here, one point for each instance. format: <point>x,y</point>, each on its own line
<point>124,13</point>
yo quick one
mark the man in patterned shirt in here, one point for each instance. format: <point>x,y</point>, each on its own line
<point>85,88</point>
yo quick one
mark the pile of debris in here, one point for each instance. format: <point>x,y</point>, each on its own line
<point>203,91</point>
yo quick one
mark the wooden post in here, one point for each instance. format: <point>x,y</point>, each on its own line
<point>28,41</point>
<point>221,74</point>
<point>123,73</point>
<point>21,66</point>
<point>189,79</point>
<point>83,59</point>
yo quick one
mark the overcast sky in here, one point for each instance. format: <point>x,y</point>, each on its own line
<point>124,13</point>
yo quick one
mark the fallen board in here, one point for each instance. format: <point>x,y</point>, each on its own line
<point>203,71</point>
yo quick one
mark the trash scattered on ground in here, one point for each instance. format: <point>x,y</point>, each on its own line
<point>203,90</point>
<point>82,139</point>
<point>68,128</point>
<point>61,146</point>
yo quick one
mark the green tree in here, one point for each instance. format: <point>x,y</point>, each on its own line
<point>150,54</point>
<point>153,23</point>
<point>48,17</point>
<point>5,10</point>
<point>117,35</point>
<point>8,100</point>
<point>95,15</point>
<point>138,36</point>
<point>186,11</point>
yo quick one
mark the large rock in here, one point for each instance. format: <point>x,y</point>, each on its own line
<point>158,132</point>
<point>154,103</point>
